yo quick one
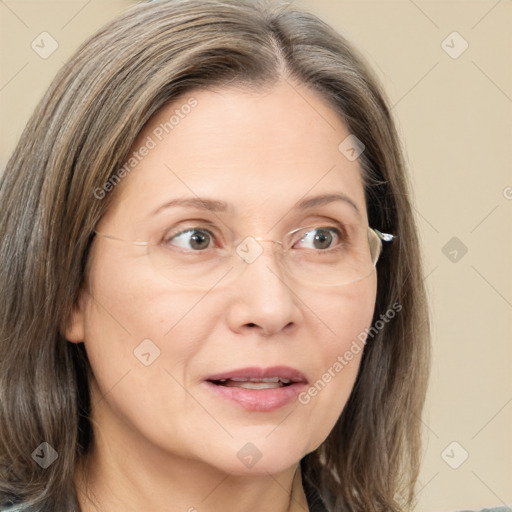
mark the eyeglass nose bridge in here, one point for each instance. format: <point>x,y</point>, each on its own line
<point>250,249</point>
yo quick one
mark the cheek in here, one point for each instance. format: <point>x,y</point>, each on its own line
<point>133,324</point>
<point>141,340</point>
<point>345,317</point>
<point>132,303</point>
<point>345,314</point>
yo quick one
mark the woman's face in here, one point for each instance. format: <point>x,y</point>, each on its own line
<point>155,346</point>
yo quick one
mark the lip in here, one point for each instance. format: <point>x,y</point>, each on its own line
<point>262,400</point>
<point>255,372</point>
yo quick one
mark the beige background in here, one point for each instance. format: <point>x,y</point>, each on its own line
<point>455,117</point>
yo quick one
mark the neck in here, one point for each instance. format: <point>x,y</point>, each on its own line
<point>113,486</point>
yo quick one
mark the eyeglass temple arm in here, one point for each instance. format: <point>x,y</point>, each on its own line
<point>385,237</point>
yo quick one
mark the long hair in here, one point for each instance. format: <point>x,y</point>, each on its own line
<point>76,140</point>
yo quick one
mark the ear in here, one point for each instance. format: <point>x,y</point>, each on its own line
<point>74,331</point>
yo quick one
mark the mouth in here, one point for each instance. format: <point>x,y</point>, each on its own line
<point>253,383</point>
<point>258,389</point>
<point>259,378</point>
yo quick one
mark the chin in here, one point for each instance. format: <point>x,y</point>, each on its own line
<point>258,455</point>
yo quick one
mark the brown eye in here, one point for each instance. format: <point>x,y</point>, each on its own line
<point>191,239</point>
<point>321,238</point>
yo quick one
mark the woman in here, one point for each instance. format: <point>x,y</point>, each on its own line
<point>193,317</point>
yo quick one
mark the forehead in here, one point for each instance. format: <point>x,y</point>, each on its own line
<point>259,152</point>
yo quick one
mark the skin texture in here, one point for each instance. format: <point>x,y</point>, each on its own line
<point>161,436</point>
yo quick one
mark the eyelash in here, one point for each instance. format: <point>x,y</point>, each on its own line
<point>196,229</point>
<point>339,232</point>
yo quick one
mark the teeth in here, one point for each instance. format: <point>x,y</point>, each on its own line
<point>254,385</point>
<point>254,379</point>
<point>274,380</point>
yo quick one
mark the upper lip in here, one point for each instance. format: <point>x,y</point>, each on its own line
<point>254,372</point>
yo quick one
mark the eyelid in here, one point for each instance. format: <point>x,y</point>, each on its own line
<point>342,227</point>
<point>167,240</point>
<point>187,225</point>
<point>299,236</point>
<point>217,234</point>
<point>186,230</point>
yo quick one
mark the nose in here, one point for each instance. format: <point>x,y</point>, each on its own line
<point>263,299</point>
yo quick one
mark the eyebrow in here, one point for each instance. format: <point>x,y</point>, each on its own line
<point>214,205</point>
<point>326,199</point>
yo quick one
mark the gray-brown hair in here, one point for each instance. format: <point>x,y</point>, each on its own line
<point>80,135</point>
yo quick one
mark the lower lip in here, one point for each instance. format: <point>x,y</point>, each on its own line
<point>263,400</point>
